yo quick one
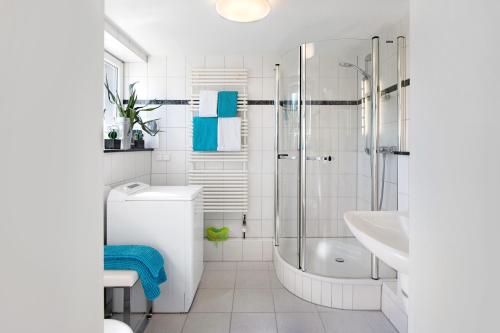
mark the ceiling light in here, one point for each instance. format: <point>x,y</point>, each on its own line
<point>243,10</point>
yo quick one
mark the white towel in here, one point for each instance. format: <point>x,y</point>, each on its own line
<point>208,103</point>
<point>229,134</point>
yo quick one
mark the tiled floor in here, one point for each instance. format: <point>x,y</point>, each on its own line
<point>246,297</point>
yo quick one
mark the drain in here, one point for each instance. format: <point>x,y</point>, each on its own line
<point>339,259</point>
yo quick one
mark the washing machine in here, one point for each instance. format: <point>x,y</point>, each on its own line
<point>170,219</point>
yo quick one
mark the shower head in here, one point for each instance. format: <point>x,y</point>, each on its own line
<point>349,65</point>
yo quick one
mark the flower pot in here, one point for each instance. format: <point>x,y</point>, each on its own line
<point>112,143</point>
<point>126,132</point>
<point>138,144</point>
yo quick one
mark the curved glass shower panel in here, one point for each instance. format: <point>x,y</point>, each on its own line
<point>288,157</point>
<point>334,71</point>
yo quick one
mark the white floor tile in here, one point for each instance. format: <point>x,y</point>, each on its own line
<point>299,323</point>
<point>213,300</point>
<point>253,323</point>
<point>166,323</point>
<point>253,300</point>
<point>207,323</point>
<point>253,279</point>
<point>218,279</point>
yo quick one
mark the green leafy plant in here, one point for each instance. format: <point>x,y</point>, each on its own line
<point>112,134</point>
<point>131,111</point>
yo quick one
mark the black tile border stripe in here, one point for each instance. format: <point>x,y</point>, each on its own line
<point>387,90</point>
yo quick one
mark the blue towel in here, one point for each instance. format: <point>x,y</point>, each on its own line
<point>227,103</point>
<point>145,260</point>
<point>204,134</point>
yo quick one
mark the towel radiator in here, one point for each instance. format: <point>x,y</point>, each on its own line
<point>223,175</point>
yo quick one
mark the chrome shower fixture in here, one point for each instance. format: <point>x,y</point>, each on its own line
<point>366,76</point>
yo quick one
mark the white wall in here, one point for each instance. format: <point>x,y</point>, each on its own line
<point>455,166</point>
<point>51,166</point>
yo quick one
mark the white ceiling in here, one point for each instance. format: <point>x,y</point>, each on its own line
<point>164,27</point>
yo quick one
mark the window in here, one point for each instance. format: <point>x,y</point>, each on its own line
<point>113,69</point>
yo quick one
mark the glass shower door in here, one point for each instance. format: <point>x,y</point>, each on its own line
<point>288,160</point>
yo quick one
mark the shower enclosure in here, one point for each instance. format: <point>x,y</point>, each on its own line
<point>328,122</point>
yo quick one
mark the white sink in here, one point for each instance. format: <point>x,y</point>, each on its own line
<point>385,234</point>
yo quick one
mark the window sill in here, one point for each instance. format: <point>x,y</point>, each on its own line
<point>126,150</point>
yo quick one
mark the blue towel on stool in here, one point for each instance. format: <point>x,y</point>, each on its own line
<point>227,103</point>
<point>204,134</point>
<point>145,260</point>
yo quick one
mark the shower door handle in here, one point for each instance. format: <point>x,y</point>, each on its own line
<point>327,158</point>
<point>286,157</point>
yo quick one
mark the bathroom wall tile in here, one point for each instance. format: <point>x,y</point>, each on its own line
<point>268,88</point>
<point>268,138</point>
<point>253,63</point>
<point>158,179</point>
<point>403,202</point>
<point>176,179</point>
<point>176,65</point>
<point>252,250</point>
<point>214,61</point>
<point>254,88</point>
<point>157,66</point>
<point>232,250</point>
<point>267,207</point>
<point>176,139</point>
<point>135,69</point>
<point>157,88</point>
<point>212,251</point>
<point>268,116</point>
<point>254,228</point>
<point>267,249</point>
<point>233,61</point>
<point>176,116</point>
<point>176,88</point>
<point>254,116</point>
<point>403,174</point>
<point>193,62</point>
<point>177,162</point>
<point>267,227</point>
<point>254,208</point>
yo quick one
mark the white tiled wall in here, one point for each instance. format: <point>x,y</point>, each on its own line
<point>167,77</point>
<point>120,168</point>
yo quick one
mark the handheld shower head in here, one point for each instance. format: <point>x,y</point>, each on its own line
<point>366,76</point>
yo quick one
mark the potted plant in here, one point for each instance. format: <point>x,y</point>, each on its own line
<point>130,114</point>
<point>112,142</point>
<point>138,139</point>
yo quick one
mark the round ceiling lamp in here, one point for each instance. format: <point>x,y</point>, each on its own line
<point>243,10</point>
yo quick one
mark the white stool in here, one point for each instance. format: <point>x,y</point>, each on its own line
<point>123,279</point>
<point>115,326</point>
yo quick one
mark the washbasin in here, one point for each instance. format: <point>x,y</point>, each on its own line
<point>384,233</point>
